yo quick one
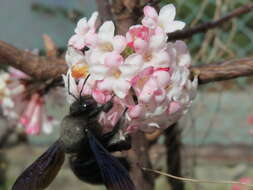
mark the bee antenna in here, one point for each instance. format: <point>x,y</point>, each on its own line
<point>84,84</point>
<point>70,93</point>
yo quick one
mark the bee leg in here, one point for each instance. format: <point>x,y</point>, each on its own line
<point>106,137</point>
<point>116,140</point>
<point>105,108</point>
<point>119,144</point>
<point>134,96</point>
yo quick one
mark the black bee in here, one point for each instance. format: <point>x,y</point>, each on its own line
<point>88,149</point>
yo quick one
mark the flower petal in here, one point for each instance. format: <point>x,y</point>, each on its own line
<point>167,13</point>
<point>106,84</point>
<point>74,56</point>
<point>82,26</point>
<point>113,59</point>
<point>77,41</point>
<point>121,87</point>
<point>150,12</point>
<point>98,71</point>
<point>119,43</point>
<point>162,77</point>
<point>92,20</point>
<point>106,31</point>
<point>158,40</point>
<point>174,26</point>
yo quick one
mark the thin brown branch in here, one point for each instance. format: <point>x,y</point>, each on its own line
<point>224,70</point>
<point>202,28</point>
<point>39,67</point>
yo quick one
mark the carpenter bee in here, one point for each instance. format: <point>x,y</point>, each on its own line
<point>88,150</point>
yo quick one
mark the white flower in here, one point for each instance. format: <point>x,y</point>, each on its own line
<point>85,33</point>
<point>107,44</point>
<point>165,19</point>
<point>70,86</point>
<point>117,78</point>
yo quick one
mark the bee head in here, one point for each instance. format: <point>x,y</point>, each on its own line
<point>83,106</point>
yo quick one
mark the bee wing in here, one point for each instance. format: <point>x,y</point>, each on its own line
<point>42,172</point>
<point>115,176</point>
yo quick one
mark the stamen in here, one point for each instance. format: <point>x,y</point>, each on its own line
<point>116,73</point>
<point>106,46</point>
<point>147,57</point>
<point>80,71</point>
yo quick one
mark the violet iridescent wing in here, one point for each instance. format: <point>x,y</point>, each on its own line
<point>115,176</point>
<point>41,173</point>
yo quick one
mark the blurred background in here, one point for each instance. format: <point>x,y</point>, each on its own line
<point>215,133</point>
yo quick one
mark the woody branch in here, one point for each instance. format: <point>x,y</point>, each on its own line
<point>44,68</point>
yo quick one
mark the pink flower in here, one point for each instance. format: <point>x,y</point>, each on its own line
<point>165,19</point>
<point>174,107</point>
<point>101,96</point>
<point>34,125</point>
<point>85,33</point>
<point>142,66</point>
<point>108,46</point>
<point>150,83</point>
<point>138,37</point>
<point>48,123</point>
<point>27,115</point>
<point>250,119</point>
<point>109,120</point>
<point>116,76</point>
<point>245,180</point>
<point>17,74</point>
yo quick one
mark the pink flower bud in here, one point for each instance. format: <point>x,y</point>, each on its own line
<point>26,117</point>
<point>135,111</point>
<point>34,126</point>
<point>246,180</point>
<point>100,96</point>
<point>150,12</point>
<point>174,107</point>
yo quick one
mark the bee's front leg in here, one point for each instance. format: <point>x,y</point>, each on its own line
<point>116,140</point>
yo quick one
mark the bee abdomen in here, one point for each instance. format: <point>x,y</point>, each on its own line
<point>86,169</point>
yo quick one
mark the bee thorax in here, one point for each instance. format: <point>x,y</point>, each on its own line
<point>72,134</point>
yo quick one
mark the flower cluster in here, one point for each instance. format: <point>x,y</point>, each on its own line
<point>17,109</point>
<point>141,70</point>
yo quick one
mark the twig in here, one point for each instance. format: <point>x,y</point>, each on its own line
<point>188,33</point>
<point>197,180</point>
<point>224,70</point>
<point>39,67</point>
